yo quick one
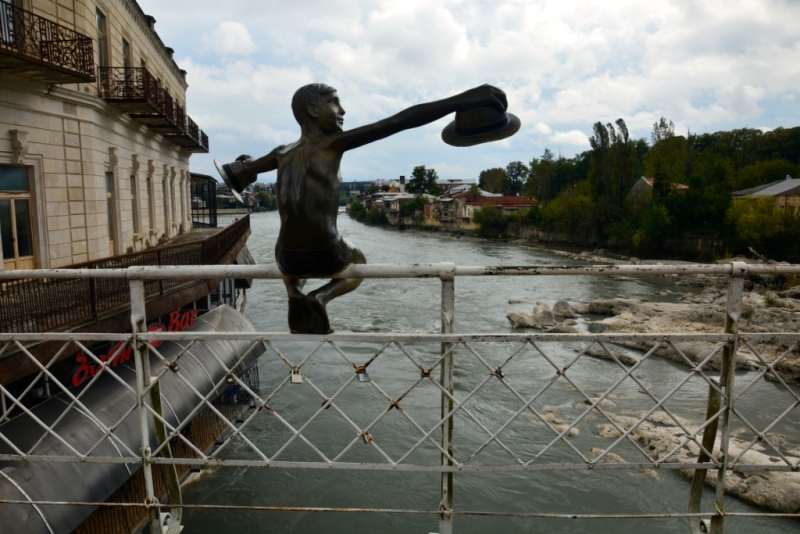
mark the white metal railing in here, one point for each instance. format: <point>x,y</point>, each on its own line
<point>454,437</point>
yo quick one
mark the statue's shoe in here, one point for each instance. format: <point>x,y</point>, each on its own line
<point>318,322</point>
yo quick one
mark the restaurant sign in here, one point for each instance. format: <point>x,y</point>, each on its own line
<point>122,351</point>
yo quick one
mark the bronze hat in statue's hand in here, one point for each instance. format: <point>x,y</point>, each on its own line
<point>480,125</point>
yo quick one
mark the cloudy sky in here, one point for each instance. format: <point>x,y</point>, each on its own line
<point>706,65</point>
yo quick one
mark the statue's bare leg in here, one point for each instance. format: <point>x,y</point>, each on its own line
<point>319,298</point>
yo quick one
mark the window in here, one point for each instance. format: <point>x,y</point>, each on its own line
<point>151,203</point>
<point>112,227</point>
<point>165,196</point>
<point>16,231</point>
<point>137,216</point>
<point>127,62</point>
<point>102,40</point>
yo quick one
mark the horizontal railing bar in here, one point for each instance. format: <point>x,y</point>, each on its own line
<point>416,270</point>
<point>383,337</point>
<point>71,459</point>
<point>531,515</point>
<point>350,466</point>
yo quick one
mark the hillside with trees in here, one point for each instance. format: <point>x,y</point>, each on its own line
<point>690,181</point>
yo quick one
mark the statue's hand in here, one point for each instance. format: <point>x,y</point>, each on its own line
<point>484,96</point>
<point>244,157</point>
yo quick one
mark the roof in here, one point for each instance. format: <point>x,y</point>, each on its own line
<point>786,187</point>
<point>506,202</point>
<point>649,181</point>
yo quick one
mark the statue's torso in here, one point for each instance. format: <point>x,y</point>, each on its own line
<point>308,195</point>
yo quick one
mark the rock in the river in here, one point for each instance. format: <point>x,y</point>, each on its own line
<point>522,319</point>
<point>777,491</point>
<point>563,309</point>
<point>603,355</point>
<point>564,329</point>
<point>543,315</point>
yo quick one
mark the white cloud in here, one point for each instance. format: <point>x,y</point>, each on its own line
<point>230,38</point>
<point>565,64</point>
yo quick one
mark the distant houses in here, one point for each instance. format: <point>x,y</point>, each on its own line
<point>786,193</point>
<point>643,189</point>
<point>454,208</point>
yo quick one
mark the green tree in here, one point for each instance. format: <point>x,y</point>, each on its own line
<point>265,200</point>
<point>357,210</point>
<point>667,161</point>
<point>423,180</point>
<point>516,176</point>
<point>755,219</point>
<point>653,229</point>
<point>492,180</point>
<point>764,172</point>
<point>491,222</point>
<point>542,177</point>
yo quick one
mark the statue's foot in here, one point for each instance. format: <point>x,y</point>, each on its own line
<point>318,322</point>
<point>298,314</point>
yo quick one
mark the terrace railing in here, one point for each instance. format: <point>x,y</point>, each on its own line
<point>48,51</point>
<point>41,305</point>
<point>129,84</point>
<point>468,405</point>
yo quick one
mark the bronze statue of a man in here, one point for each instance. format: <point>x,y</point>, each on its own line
<point>309,243</point>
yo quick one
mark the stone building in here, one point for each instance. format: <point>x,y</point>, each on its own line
<point>94,138</point>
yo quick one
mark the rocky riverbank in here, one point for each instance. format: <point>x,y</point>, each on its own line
<point>659,434</point>
<point>702,312</point>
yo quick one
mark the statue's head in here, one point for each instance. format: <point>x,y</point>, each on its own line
<point>307,98</point>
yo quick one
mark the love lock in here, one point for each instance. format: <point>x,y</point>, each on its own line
<point>297,378</point>
<point>363,377</point>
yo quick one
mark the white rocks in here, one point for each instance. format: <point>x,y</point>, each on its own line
<point>542,314</point>
<point>562,308</point>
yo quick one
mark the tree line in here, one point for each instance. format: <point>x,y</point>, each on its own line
<point>588,196</point>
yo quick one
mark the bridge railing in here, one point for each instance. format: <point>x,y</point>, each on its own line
<point>465,404</point>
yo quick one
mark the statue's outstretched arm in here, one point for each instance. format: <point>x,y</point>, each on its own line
<point>419,115</point>
<point>263,164</point>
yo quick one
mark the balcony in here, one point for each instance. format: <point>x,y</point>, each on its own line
<point>192,138</point>
<point>135,91</point>
<point>37,48</point>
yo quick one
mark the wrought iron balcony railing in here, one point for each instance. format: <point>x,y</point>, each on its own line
<point>38,48</point>
<point>135,91</point>
<point>191,138</point>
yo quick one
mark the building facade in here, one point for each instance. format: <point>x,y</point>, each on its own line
<point>94,138</point>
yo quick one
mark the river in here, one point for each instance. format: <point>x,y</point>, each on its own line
<point>412,305</point>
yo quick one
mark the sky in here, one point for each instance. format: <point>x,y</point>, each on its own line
<point>706,65</point>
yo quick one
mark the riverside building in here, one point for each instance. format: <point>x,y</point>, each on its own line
<point>95,144</point>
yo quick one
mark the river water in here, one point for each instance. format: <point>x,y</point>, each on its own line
<point>412,305</point>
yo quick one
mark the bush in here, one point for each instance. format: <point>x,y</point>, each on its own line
<point>491,222</point>
<point>357,211</point>
<point>375,216</point>
<point>653,228</point>
<point>418,204</point>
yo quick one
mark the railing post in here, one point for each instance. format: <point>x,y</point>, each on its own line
<point>142,355</point>
<point>726,376</point>
<point>709,437</point>
<point>93,296</point>
<point>160,281</point>
<point>448,314</point>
